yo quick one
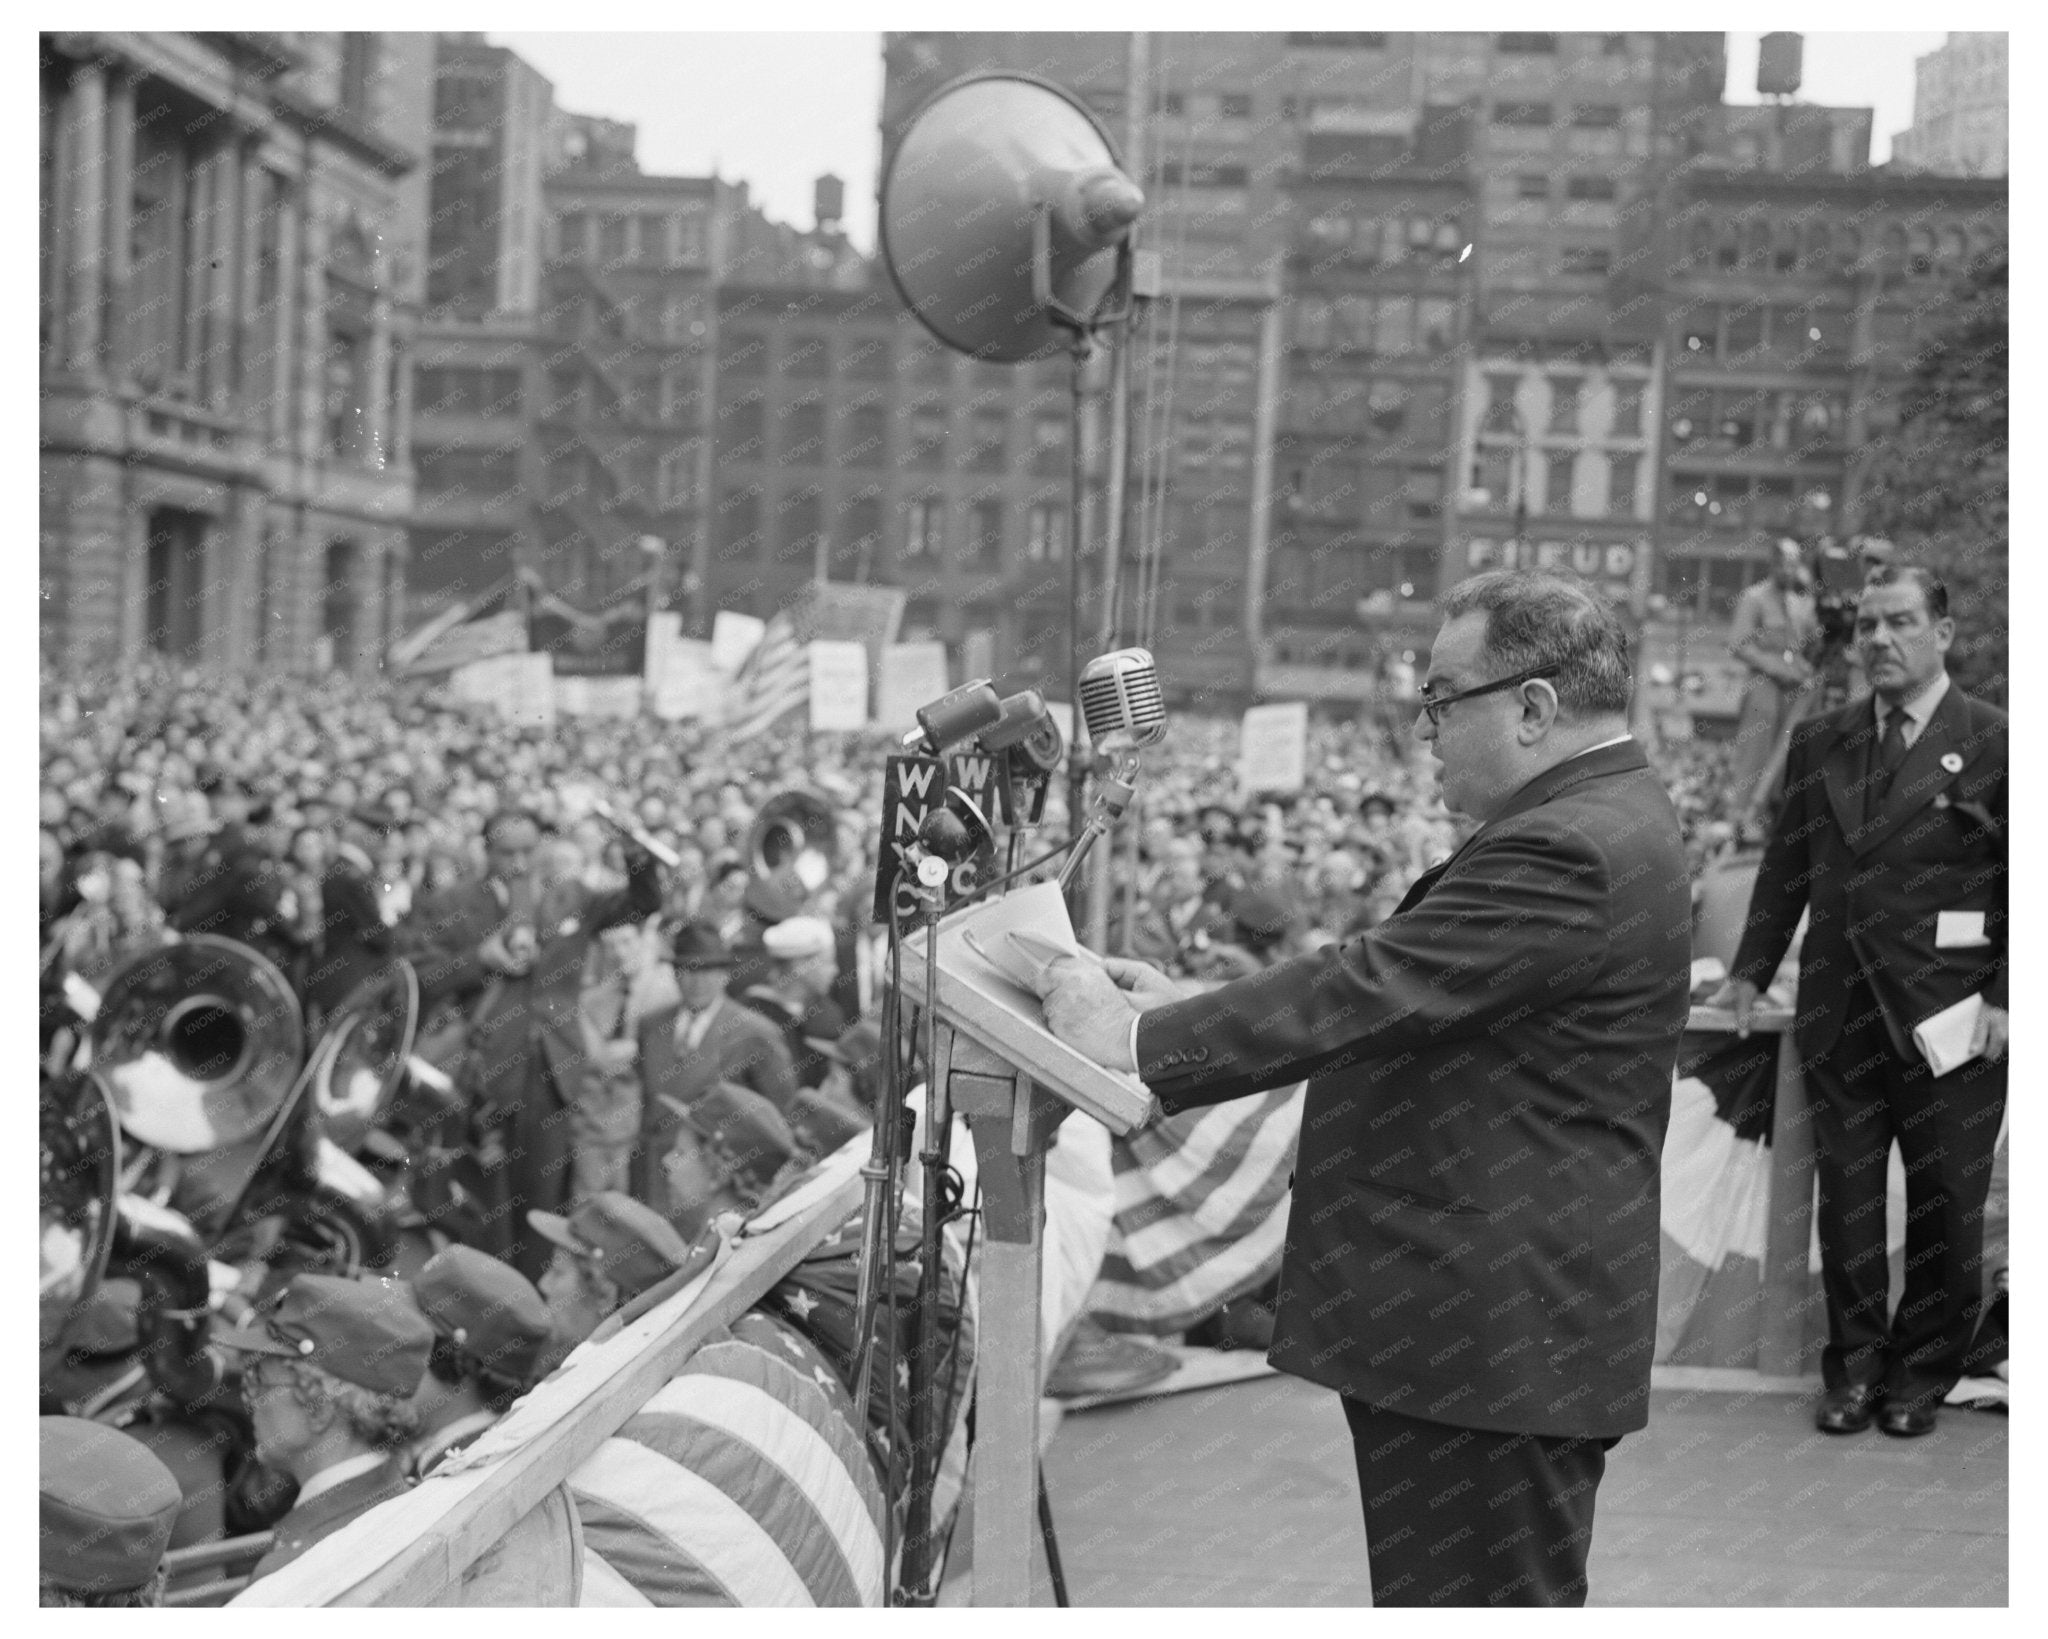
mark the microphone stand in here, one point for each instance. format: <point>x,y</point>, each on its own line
<point>1111,799</point>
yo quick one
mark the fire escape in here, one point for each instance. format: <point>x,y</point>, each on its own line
<point>602,438</point>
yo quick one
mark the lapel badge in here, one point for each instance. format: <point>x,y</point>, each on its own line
<point>1952,762</point>
<point>1941,799</point>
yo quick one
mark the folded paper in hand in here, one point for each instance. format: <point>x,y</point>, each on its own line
<point>1944,1040</point>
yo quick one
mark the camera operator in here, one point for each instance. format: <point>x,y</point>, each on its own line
<point>1775,634</point>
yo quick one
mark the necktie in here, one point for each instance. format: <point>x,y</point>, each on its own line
<point>1891,751</point>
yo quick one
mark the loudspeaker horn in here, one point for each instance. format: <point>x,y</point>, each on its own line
<point>1006,218</point>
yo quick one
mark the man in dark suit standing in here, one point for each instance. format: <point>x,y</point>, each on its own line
<point>1471,1258</point>
<point>1892,841</point>
<point>688,1049</point>
<point>509,951</point>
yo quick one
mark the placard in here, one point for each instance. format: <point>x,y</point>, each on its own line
<point>734,637</point>
<point>913,675</point>
<point>839,684</point>
<point>519,687</point>
<point>690,684</point>
<point>1273,747</point>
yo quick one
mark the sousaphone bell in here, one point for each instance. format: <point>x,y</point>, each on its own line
<point>798,831</point>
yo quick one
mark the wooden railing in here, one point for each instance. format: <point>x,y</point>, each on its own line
<point>414,1550</point>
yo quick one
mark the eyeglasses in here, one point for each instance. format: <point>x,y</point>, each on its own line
<point>1433,704</point>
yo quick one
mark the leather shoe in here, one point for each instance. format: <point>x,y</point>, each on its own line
<point>1848,1410</point>
<point>1905,1420</point>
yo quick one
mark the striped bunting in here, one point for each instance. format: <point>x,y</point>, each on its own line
<point>1201,1212</point>
<point>741,1482</point>
<point>772,682</point>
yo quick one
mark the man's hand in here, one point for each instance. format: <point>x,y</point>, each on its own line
<point>1143,983</point>
<point>1740,995</point>
<point>1994,1030</point>
<point>1086,1010</point>
<point>499,957</point>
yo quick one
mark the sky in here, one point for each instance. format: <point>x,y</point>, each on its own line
<point>776,110</point>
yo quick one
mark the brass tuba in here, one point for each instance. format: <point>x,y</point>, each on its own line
<point>796,830</point>
<point>198,1045</point>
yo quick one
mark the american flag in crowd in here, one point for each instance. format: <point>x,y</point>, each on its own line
<point>1201,1213</point>
<point>773,681</point>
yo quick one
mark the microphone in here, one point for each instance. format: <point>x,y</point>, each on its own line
<point>1120,700</point>
<point>954,717</point>
<point>661,852</point>
<point>1027,729</point>
<point>1124,711</point>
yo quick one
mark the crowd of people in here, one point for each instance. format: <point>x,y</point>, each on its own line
<point>709,1028</point>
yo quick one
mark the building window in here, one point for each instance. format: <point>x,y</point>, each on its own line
<point>807,356</point>
<point>927,436</point>
<point>1590,187</point>
<point>1614,45</point>
<point>1742,331</point>
<point>1532,185</point>
<point>803,433</point>
<point>802,528</point>
<point>1597,116</point>
<point>743,429</point>
<point>1045,533</point>
<point>1589,261</point>
<point>1521,113</point>
<point>1621,484</point>
<point>1501,415</point>
<point>1170,103</point>
<point>1627,419</point>
<point>858,540</point>
<point>1525,45</point>
<point>867,360</point>
<point>358,74</point>
<point>1422,494</point>
<point>654,241</point>
<point>991,429</point>
<point>1564,404</point>
<point>867,436</point>
<point>743,353</point>
<point>739,524</point>
<point>985,533</point>
<point>1235,105</point>
<point>924,530</point>
<point>1048,442</point>
<point>611,238</point>
<point>1557,481</point>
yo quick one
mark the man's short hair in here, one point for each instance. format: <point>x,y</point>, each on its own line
<point>1540,617</point>
<point>1932,586</point>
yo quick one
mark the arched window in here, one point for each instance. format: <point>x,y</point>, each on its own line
<point>1819,251</point>
<point>1756,243</point>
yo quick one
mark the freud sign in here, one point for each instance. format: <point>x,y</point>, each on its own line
<point>1607,561</point>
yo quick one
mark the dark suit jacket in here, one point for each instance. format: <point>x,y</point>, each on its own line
<point>309,1522</point>
<point>354,942</point>
<point>739,1045</point>
<point>528,1031</point>
<point>1474,1231</point>
<point>1875,892</point>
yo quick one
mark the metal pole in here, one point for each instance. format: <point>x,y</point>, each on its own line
<point>1077,525</point>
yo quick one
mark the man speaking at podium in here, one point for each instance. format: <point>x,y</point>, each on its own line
<point>1472,1253</point>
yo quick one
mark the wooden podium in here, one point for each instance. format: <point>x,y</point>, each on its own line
<point>1014,1083</point>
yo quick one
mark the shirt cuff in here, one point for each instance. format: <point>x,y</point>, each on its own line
<point>1135,1017</point>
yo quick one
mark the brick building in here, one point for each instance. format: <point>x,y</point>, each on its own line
<point>231,273</point>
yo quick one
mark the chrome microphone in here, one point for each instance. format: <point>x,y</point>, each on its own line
<point>1125,712</point>
<point>1121,702</point>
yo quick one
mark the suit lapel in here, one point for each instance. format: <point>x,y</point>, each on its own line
<point>1843,766</point>
<point>1921,775</point>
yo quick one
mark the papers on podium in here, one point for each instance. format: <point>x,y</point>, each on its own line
<point>986,992</point>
